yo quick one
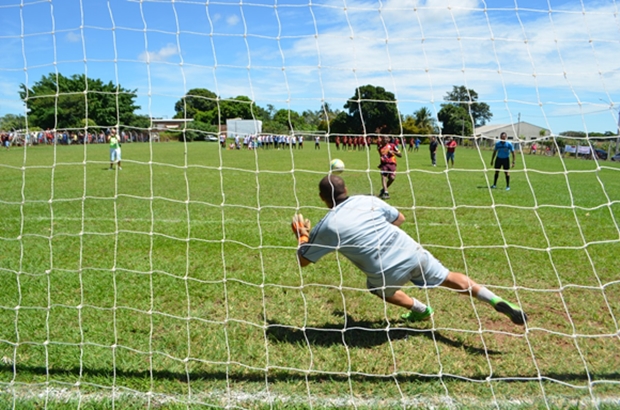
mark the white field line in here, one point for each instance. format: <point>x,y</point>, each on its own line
<point>230,398</point>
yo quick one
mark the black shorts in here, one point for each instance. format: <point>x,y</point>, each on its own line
<point>502,163</point>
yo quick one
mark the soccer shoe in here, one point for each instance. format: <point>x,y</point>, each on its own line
<point>412,316</point>
<point>511,310</point>
<point>507,188</point>
<point>385,195</point>
<point>493,187</point>
<point>120,169</point>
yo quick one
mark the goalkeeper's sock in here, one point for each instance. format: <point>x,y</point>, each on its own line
<point>485,295</point>
<point>418,306</point>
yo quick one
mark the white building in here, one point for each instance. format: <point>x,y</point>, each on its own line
<point>170,124</point>
<point>242,128</point>
<point>518,132</point>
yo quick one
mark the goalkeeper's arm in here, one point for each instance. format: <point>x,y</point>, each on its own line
<point>301,228</point>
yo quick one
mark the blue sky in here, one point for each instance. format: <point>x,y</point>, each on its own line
<point>555,63</point>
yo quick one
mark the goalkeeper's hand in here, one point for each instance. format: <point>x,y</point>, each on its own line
<point>301,228</point>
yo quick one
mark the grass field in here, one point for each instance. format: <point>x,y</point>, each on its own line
<point>173,283</point>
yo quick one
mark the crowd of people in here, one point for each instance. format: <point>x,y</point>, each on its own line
<point>267,141</point>
<point>344,143</point>
<point>66,137</point>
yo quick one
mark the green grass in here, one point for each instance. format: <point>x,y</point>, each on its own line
<point>177,276</point>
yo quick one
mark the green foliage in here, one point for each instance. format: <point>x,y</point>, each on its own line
<point>274,127</point>
<point>455,120</point>
<point>60,102</point>
<point>292,120</point>
<point>410,125</point>
<point>87,123</point>
<point>206,107</point>
<point>342,124</point>
<point>421,122</point>
<point>425,121</point>
<point>238,107</point>
<point>373,110</point>
<point>582,134</point>
<point>12,122</point>
<point>196,100</point>
<point>140,122</point>
<point>196,131</point>
<point>468,100</point>
<point>262,114</point>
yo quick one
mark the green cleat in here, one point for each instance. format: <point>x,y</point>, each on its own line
<point>511,310</point>
<point>412,316</point>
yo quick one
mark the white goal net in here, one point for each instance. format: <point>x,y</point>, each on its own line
<point>168,275</point>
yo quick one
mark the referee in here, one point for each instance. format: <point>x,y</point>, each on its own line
<point>501,158</point>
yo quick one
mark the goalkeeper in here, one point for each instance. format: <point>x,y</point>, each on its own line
<point>366,231</point>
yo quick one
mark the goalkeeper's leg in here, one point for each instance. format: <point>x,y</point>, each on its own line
<point>465,285</point>
<point>418,311</point>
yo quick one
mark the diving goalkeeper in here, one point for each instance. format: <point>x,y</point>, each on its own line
<point>366,231</point>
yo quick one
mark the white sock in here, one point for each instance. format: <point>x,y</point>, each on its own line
<point>485,295</point>
<point>418,306</point>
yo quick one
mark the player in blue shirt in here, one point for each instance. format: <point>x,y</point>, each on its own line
<point>366,230</point>
<point>501,159</point>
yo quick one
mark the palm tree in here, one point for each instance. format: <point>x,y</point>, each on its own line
<point>424,120</point>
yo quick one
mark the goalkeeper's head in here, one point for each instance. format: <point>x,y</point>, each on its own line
<point>332,190</point>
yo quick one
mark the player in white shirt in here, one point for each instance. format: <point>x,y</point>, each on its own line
<point>366,230</point>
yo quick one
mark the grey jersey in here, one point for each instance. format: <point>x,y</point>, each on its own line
<point>361,229</point>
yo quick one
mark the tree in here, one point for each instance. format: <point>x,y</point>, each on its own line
<point>342,124</point>
<point>142,122</point>
<point>288,118</point>
<point>455,120</point>
<point>373,109</point>
<point>196,100</point>
<point>238,107</point>
<point>206,107</point>
<point>12,122</point>
<point>410,127</point>
<point>261,113</point>
<point>274,127</point>
<point>424,121</point>
<point>59,102</point>
<point>467,99</point>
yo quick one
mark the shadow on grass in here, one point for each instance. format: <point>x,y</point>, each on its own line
<point>72,374</point>
<point>359,334</point>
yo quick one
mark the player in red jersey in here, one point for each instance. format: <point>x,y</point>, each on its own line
<point>388,151</point>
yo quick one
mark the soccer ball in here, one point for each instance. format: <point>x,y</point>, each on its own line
<point>336,166</point>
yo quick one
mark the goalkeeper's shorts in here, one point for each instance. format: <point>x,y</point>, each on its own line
<point>429,273</point>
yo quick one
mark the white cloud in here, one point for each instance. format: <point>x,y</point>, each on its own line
<point>163,54</point>
<point>439,43</point>
<point>73,37</point>
<point>419,50</point>
<point>232,20</point>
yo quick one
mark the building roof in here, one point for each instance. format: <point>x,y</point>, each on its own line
<point>490,128</point>
<point>485,129</point>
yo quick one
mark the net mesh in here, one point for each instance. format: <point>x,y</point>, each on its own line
<point>174,280</point>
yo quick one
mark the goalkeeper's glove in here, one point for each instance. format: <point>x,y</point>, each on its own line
<point>301,228</point>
